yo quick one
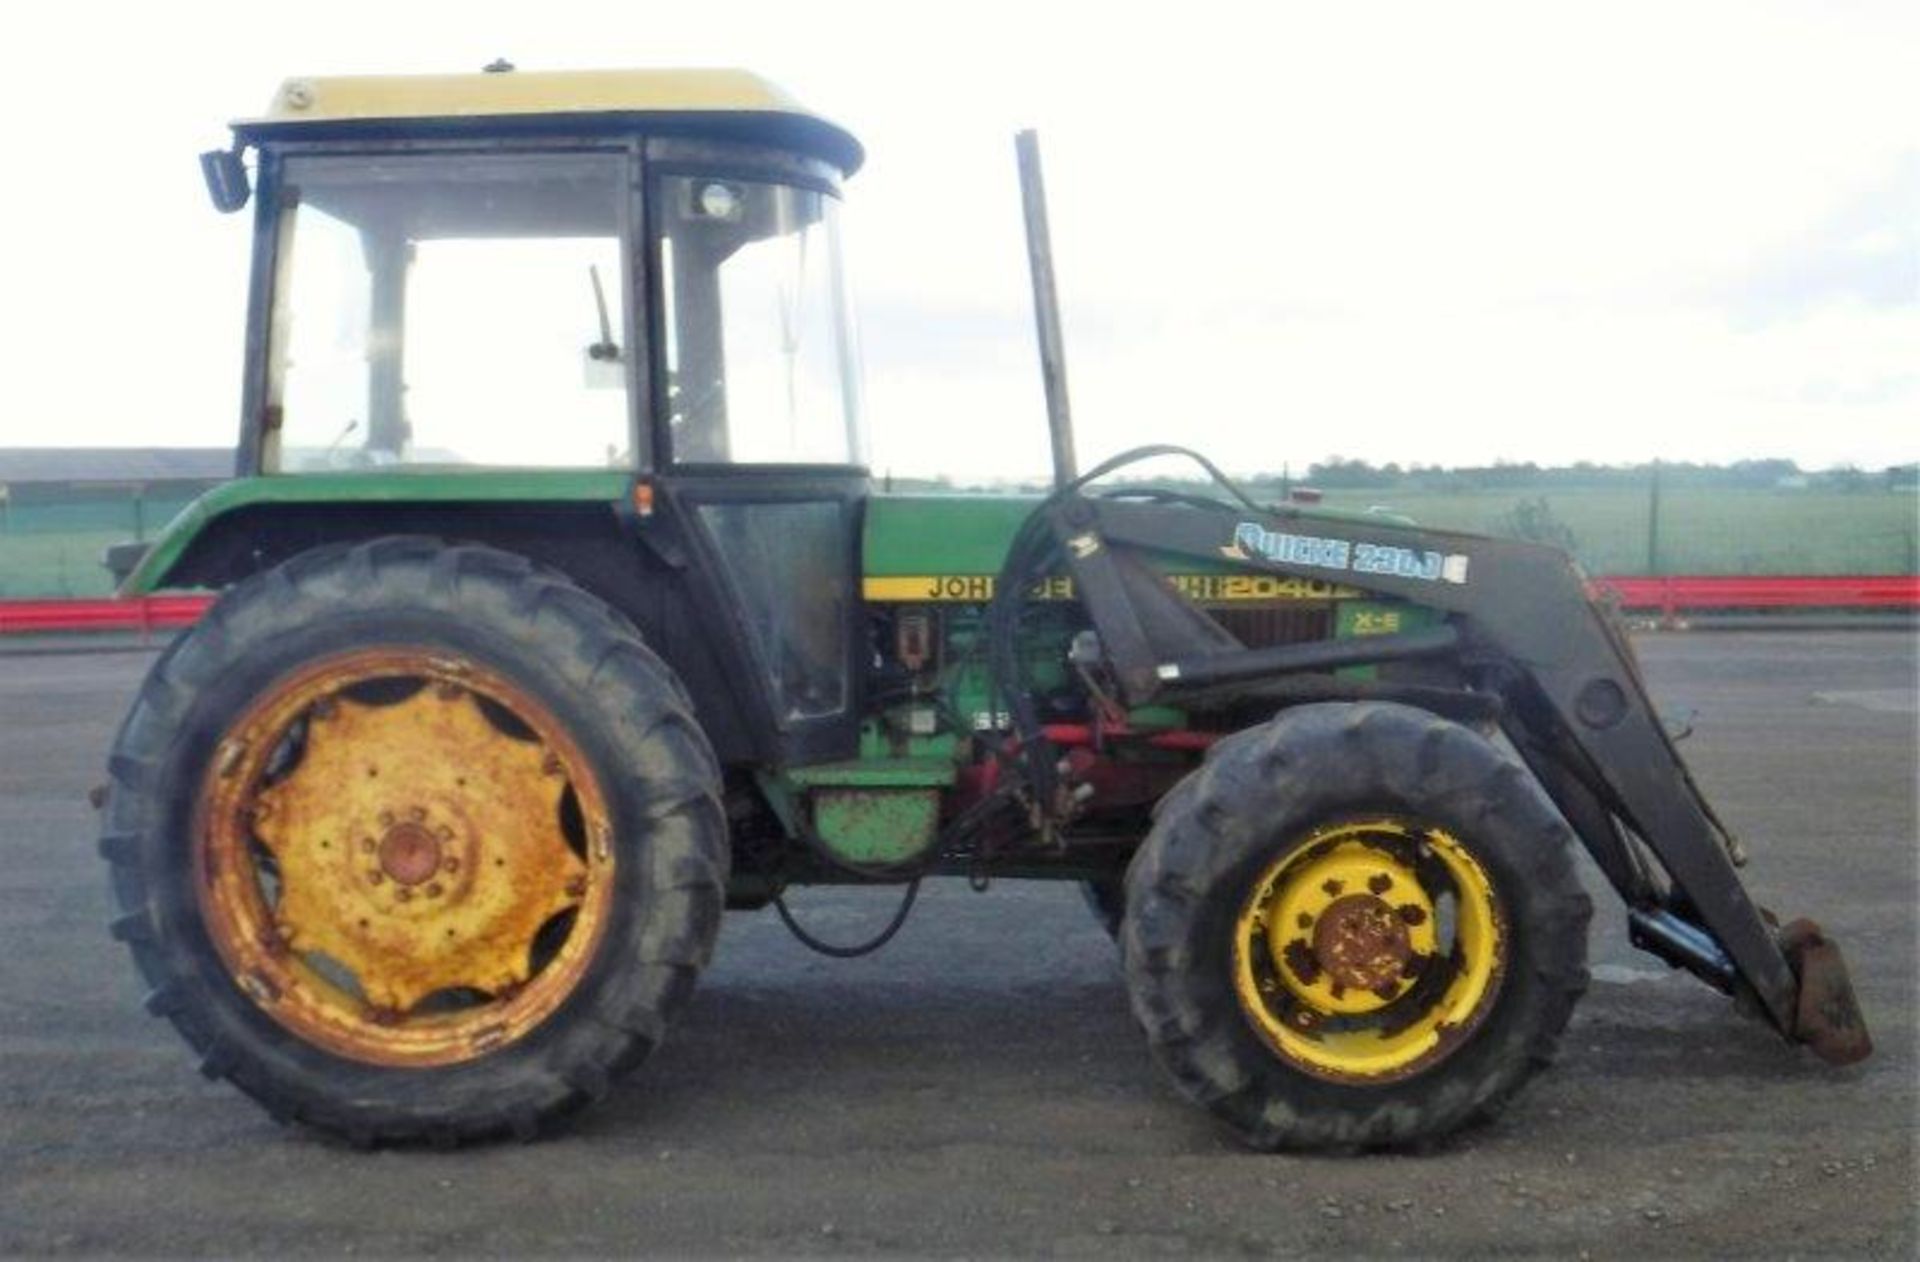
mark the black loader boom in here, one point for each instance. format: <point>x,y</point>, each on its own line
<point>1522,644</point>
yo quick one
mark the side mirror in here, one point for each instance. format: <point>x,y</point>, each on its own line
<point>226,178</point>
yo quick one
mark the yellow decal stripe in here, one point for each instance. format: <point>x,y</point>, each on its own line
<point>1205,588</point>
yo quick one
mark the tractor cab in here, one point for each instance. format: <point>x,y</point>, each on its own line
<point>635,274</point>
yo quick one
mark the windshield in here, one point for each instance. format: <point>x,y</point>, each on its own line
<point>760,360</point>
<point>449,309</point>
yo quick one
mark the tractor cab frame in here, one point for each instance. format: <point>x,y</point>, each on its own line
<point>604,288</point>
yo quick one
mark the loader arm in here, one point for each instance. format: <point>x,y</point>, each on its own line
<point>1523,627</point>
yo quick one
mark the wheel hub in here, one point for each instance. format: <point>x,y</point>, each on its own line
<point>429,778</point>
<point>1344,963</point>
<point>1350,927</point>
<point>406,858</point>
<point>1362,944</point>
<point>409,853</point>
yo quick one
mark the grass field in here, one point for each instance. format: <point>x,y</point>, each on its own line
<point>54,550</point>
<point>1711,531</point>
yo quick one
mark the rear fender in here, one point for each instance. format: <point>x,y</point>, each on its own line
<point>219,537</point>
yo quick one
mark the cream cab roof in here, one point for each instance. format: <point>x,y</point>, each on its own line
<point>734,97</point>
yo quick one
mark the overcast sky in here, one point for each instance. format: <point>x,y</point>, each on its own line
<point>1437,233</point>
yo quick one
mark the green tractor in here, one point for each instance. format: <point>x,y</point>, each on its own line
<point>558,613</point>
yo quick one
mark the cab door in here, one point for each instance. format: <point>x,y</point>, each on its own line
<point>757,431</point>
<point>774,560</point>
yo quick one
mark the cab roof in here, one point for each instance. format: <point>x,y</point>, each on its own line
<point>731,103</point>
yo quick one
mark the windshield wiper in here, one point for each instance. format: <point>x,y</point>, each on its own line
<point>606,350</point>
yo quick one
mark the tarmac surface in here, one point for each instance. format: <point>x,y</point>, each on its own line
<point>978,1088</point>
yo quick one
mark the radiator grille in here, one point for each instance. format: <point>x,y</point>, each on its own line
<point>1276,624</point>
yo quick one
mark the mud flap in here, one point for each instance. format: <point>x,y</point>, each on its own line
<point>1826,1015</point>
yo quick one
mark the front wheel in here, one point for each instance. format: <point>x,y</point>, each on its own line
<point>1358,926</point>
<point>415,842</point>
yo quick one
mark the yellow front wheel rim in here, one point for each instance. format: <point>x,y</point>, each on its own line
<point>1370,950</point>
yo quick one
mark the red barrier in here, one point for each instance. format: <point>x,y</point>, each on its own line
<point>1670,595</point>
<point>144,614</point>
<point>1675,594</point>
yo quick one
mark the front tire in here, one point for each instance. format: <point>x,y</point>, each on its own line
<point>1356,926</point>
<point>415,842</point>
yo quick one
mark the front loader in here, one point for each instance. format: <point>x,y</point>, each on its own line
<point>558,614</point>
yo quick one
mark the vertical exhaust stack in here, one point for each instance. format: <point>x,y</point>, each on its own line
<point>1046,308</point>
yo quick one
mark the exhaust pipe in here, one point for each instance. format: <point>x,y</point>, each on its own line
<point>1046,308</point>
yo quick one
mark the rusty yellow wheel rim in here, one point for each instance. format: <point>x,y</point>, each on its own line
<point>403,857</point>
<point>1369,951</point>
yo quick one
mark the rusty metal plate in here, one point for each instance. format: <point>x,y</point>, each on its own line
<point>1827,1016</point>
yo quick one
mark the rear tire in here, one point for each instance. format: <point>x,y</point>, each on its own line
<point>630,792</point>
<point>1274,1047</point>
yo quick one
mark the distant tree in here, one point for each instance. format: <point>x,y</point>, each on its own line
<point>1848,478</point>
<point>1339,473</point>
<point>1762,473</point>
<point>1534,520</point>
<point>1343,473</point>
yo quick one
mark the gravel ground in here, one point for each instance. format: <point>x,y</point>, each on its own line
<point>978,1088</point>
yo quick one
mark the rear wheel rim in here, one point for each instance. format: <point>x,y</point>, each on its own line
<point>1370,950</point>
<point>403,857</point>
